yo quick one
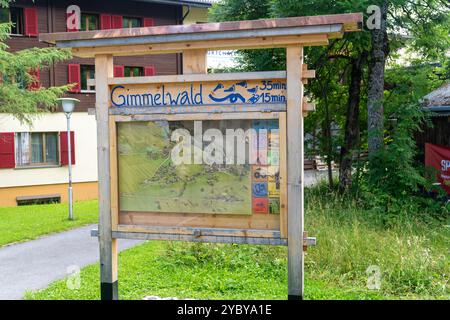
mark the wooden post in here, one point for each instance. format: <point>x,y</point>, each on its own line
<point>294,61</point>
<point>108,246</point>
<point>194,61</point>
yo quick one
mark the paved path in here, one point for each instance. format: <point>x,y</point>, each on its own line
<point>313,176</point>
<point>35,264</point>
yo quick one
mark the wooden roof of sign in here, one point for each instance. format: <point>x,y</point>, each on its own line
<point>267,33</point>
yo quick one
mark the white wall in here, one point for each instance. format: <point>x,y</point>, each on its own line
<point>85,168</point>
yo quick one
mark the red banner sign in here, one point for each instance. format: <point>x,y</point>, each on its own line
<point>439,157</point>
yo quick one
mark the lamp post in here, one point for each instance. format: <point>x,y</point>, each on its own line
<point>68,105</point>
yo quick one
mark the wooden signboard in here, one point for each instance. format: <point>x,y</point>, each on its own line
<point>203,157</point>
<point>231,183</point>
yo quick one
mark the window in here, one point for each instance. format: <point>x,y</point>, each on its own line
<point>87,77</point>
<point>89,22</point>
<point>132,22</point>
<point>36,148</point>
<point>134,71</point>
<point>15,16</point>
<point>18,79</point>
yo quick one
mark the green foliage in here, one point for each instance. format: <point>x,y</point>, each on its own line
<point>409,248</point>
<point>24,223</point>
<point>418,38</point>
<point>16,70</point>
<point>393,176</point>
<point>411,253</point>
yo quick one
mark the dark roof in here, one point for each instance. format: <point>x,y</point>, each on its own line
<point>438,101</point>
<point>193,3</point>
<point>437,98</point>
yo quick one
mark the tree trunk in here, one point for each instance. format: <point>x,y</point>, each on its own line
<point>328,138</point>
<point>351,137</point>
<point>375,110</point>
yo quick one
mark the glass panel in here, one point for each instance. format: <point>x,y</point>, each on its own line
<point>22,148</point>
<point>126,22</point>
<point>87,72</point>
<point>127,71</point>
<point>131,22</point>
<point>84,77</point>
<point>133,71</point>
<point>20,80</point>
<point>37,154</point>
<point>4,15</point>
<point>51,148</point>
<point>136,23</point>
<point>93,22</point>
<point>137,72</point>
<point>89,22</point>
<point>83,21</point>
<point>210,167</point>
<point>17,20</point>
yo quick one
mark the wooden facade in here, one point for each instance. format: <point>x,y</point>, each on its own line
<point>52,18</point>
<point>437,133</point>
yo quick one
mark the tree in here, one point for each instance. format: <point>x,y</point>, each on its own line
<point>350,71</point>
<point>19,95</point>
<point>379,52</point>
<point>352,130</point>
<point>427,24</point>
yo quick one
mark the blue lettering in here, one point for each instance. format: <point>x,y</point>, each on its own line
<point>121,96</point>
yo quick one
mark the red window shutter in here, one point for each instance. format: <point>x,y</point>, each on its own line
<point>7,159</point>
<point>117,22</point>
<point>36,73</point>
<point>149,71</point>
<point>149,22</point>
<point>105,21</point>
<point>119,71</point>
<point>31,21</point>
<point>74,72</point>
<point>64,148</point>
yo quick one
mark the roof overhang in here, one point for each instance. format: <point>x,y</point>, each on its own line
<point>270,33</point>
<point>193,3</point>
<point>438,111</point>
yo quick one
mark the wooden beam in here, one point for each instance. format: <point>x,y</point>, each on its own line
<point>212,109</point>
<point>176,47</point>
<point>199,116</point>
<point>253,233</point>
<point>294,60</point>
<point>283,176</point>
<point>350,22</point>
<point>108,245</point>
<point>276,241</point>
<point>308,107</point>
<point>200,220</point>
<point>181,78</point>
<point>193,238</point>
<point>194,61</point>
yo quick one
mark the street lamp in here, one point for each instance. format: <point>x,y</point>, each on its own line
<point>68,105</point>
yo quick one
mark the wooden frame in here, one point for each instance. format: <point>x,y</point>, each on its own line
<point>264,226</point>
<point>193,41</point>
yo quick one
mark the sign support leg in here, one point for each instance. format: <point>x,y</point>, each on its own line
<point>294,61</point>
<point>108,246</point>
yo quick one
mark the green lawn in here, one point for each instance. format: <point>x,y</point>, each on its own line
<point>201,272</point>
<point>412,256</point>
<point>30,222</point>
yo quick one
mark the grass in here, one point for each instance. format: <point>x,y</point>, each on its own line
<point>411,254</point>
<point>18,224</point>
